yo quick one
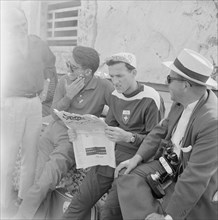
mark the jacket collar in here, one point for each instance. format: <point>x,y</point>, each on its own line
<point>194,114</point>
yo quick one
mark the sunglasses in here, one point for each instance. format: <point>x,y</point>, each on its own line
<point>170,79</point>
<point>71,67</point>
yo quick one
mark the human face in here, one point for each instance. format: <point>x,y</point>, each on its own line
<point>176,86</point>
<point>122,78</point>
<point>75,70</point>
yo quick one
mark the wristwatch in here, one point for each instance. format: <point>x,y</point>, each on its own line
<point>132,139</point>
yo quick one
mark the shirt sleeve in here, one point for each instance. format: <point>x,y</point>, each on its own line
<point>109,88</point>
<point>110,119</point>
<point>153,115</point>
<point>60,101</point>
<point>49,60</point>
<point>51,90</point>
<point>49,71</point>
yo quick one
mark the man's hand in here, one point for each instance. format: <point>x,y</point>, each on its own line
<point>129,165</point>
<point>116,134</point>
<point>74,88</point>
<point>72,135</point>
<point>155,216</point>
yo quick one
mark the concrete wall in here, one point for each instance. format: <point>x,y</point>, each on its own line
<point>155,31</point>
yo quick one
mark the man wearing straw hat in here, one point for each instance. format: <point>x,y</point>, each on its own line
<point>191,130</point>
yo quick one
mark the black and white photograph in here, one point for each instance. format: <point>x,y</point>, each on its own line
<point>109,110</point>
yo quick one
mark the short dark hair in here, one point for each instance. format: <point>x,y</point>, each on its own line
<point>112,62</point>
<point>87,57</point>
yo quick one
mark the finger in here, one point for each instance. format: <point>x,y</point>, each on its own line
<point>108,133</point>
<point>81,84</point>
<point>78,83</point>
<point>116,173</point>
<point>78,79</point>
<point>110,128</point>
<point>117,170</point>
<point>128,170</point>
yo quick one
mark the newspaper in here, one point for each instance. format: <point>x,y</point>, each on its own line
<point>91,146</point>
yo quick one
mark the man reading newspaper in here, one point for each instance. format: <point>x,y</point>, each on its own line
<point>134,110</point>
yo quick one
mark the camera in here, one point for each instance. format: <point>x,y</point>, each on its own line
<point>169,171</point>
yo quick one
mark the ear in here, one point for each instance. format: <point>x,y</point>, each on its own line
<point>88,72</point>
<point>134,72</point>
<point>187,85</point>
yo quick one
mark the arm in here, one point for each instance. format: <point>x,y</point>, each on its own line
<point>150,144</point>
<point>153,115</point>
<point>147,149</point>
<point>109,88</point>
<point>60,100</point>
<point>49,72</point>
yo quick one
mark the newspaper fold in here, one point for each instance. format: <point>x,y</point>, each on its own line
<point>91,146</point>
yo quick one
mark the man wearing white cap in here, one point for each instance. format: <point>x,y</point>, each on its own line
<point>134,111</point>
<point>183,173</point>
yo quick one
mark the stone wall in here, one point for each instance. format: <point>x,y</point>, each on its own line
<point>153,30</point>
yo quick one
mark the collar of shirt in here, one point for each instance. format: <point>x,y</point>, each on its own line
<point>92,84</point>
<point>191,106</point>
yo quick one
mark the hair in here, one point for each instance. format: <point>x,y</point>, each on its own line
<point>87,57</point>
<point>112,62</point>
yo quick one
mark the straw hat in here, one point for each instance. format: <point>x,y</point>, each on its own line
<point>193,66</point>
<point>123,57</point>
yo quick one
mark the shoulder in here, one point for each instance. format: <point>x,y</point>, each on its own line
<point>209,107</point>
<point>150,93</point>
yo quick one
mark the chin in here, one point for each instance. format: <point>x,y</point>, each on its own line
<point>119,90</point>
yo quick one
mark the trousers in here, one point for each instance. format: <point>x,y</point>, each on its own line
<point>21,125</point>
<point>97,182</point>
<point>55,158</point>
<point>135,195</point>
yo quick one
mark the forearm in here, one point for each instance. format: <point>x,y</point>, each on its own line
<point>150,144</point>
<point>138,139</point>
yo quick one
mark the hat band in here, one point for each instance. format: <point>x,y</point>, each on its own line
<point>189,72</point>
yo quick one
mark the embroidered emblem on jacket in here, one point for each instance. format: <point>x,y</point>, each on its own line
<point>126,116</point>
